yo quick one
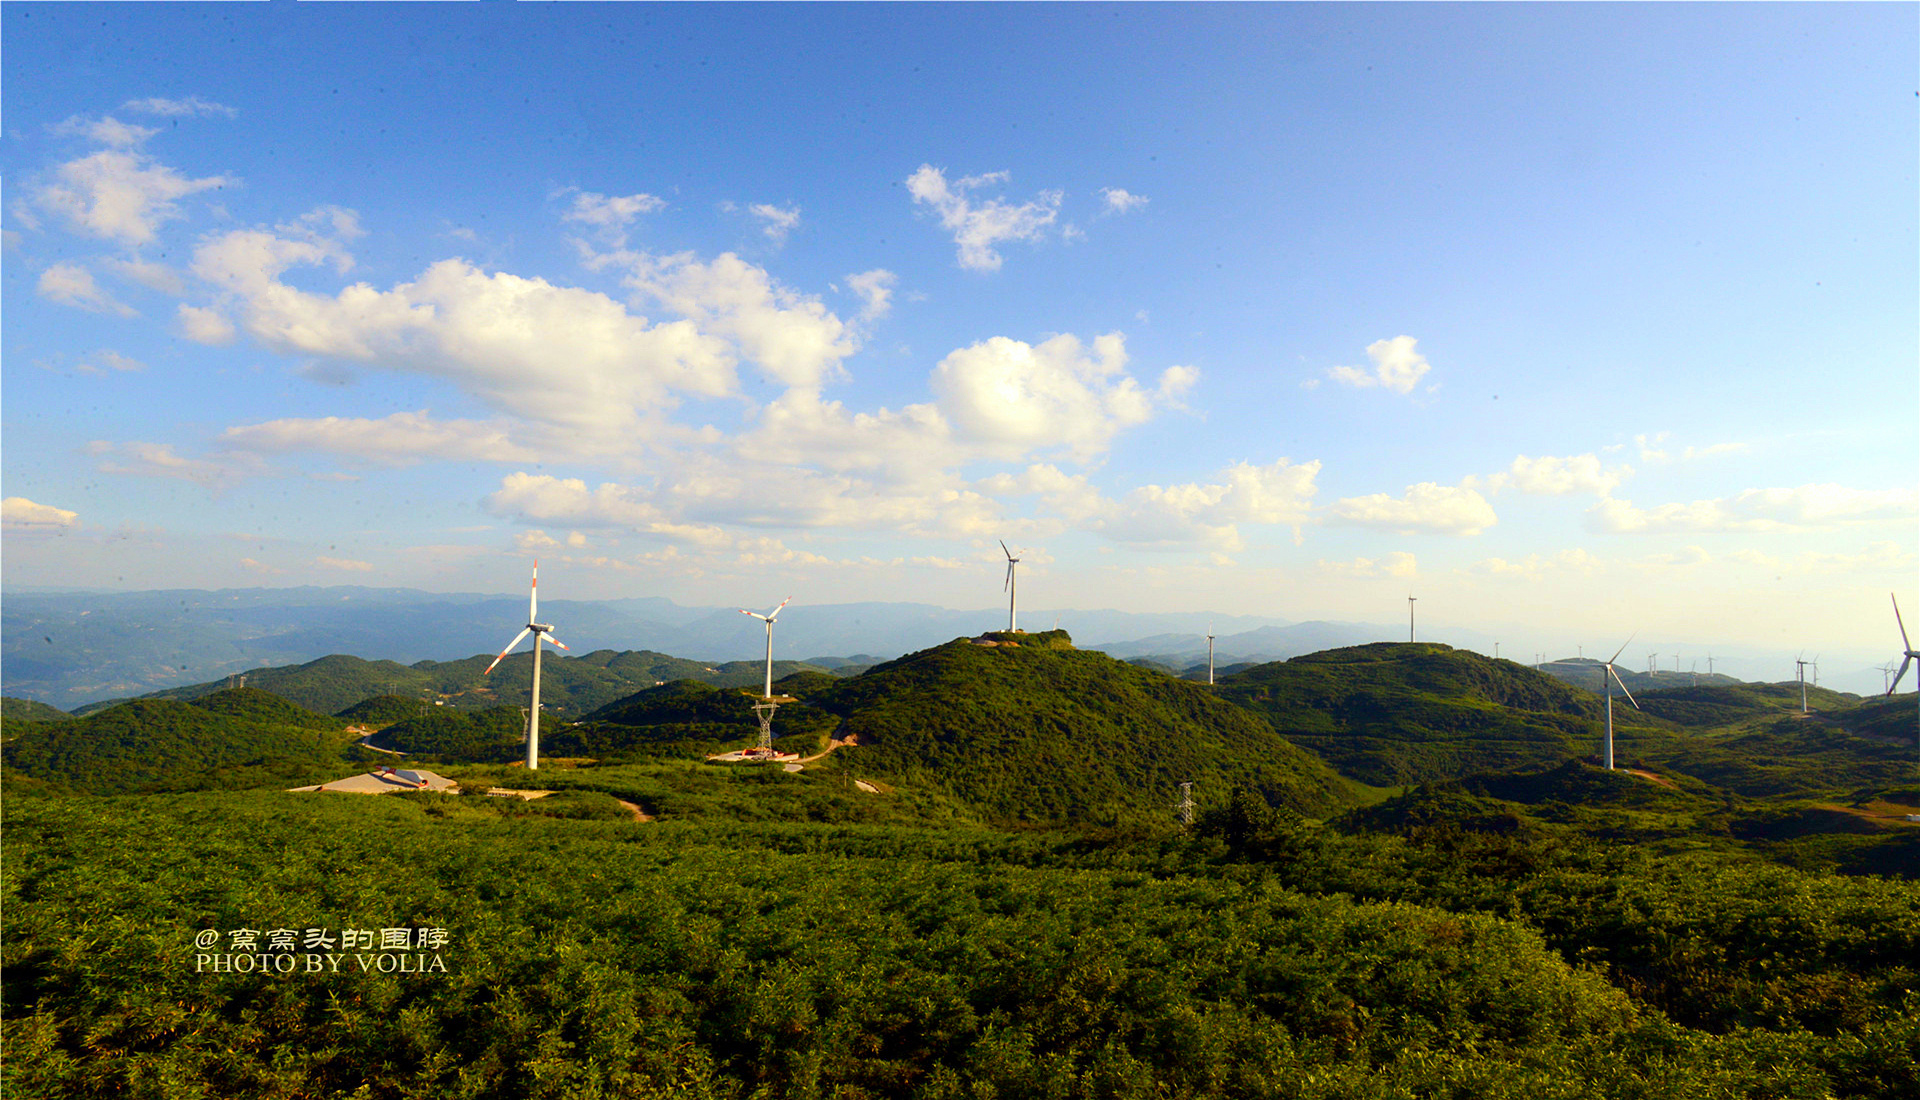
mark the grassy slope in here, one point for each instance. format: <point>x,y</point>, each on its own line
<point>1395,713</point>
<point>30,710</point>
<point>1044,732</point>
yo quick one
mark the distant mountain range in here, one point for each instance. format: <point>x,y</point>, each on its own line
<point>70,648</point>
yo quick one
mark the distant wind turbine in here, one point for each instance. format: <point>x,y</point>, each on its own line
<point>1908,654</point>
<point>1650,658</point>
<point>540,631</point>
<point>1800,667</point>
<point>1209,654</point>
<point>1009,588</point>
<point>1410,600</point>
<point>1607,670</point>
<point>769,618</point>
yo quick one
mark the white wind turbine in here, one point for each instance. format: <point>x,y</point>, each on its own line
<point>1908,654</point>
<point>540,631</point>
<point>1209,654</point>
<point>769,618</point>
<point>1800,669</point>
<point>1009,588</point>
<point>1607,670</point>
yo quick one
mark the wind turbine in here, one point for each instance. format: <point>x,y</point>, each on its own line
<point>1650,658</point>
<point>1800,667</point>
<point>540,631</point>
<point>1606,687</point>
<point>1908,655</point>
<point>769,618</point>
<point>1410,600</point>
<point>1209,654</point>
<point>1009,588</point>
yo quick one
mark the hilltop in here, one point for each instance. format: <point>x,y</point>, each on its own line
<point>1028,728</point>
<point>1392,713</point>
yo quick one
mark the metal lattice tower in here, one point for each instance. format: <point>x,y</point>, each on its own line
<point>763,710</point>
<point>1186,804</point>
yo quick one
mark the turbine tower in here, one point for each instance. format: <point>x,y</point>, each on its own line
<point>541,632</point>
<point>1650,658</point>
<point>1907,656</point>
<point>1800,669</point>
<point>1209,654</point>
<point>1009,588</point>
<point>1607,670</point>
<point>1410,600</point>
<point>764,709</point>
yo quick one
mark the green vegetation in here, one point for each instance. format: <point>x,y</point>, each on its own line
<point>1390,713</point>
<point>1044,732</point>
<point>497,733</point>
<point>254,705</point>
<point>29,710</point>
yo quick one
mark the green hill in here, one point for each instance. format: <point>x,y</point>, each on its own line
<point>1040,731</point>
<point>382,711</point>
<point>30,710</point>
<point>695,718</point>
<point>1393,713</point>
<point>254,705</point>
<point>569,686</point>
<point>161,745</point>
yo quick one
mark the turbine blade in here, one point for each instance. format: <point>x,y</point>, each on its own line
<point>509,649</point>
<point>533,594</point>
<point>1623,687</point>
<point>1004,550</point>
<point>1904,665</point>
<point>1618,652</point>
<point>1903,623</point>
<point>775,613</point>
<point>548,635</point>
<point>1008,583</point>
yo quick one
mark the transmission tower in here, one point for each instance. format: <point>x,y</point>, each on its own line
<point>1186,804</point>
<point>763,710</point>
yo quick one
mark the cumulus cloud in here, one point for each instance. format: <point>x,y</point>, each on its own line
<point>1804,508</point>
<point>978,227</point>
<point>1009,398</point>
<point>1211,513</point>
<point>1120,201</point>
<point>191,105</point>
<point>204,326</point>
<point>875,289</point>
<point>73,285</point>
<point>1426,507</point>
<point>791,335</point>
<point>18,515</point>
<point>1535,566</point>
<point>1551,476</point>
<point>559,356</point>
<point>1396,366</point>
<point>1396,564</point>
<point>777,221</point>
<point>118,195</point>
<point>400,439</point>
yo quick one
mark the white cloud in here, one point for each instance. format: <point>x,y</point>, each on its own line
<point>346,565</point>
<point>399,439</point>
<point>1650,446</point>
<point>110,360</point>
<point>558,356</point>
<point>205,326</point>
<point>18,515</point>
<point>779,221</point>
<point>119,195</point>
<point>1396,564</point>
<point>192,105</point>
<point>793,336</point>
<point>1875,557</point>
<point>535,539</point>
<point>609,214</point>
<point>1008,398</point>
<point>576,539</point>
<point>73,285</point>
<point>153,276</point>
<point>159,460</point>
<point>1551,476</point>
<point>1802,508</point>
<point>1396,366</point>
<point>977,228</point>
<point>875,289</point>
<point>1211,513</point>
<point>1119,201</point>
<point>1534,566</point>
<point>252,566</point>
<point>1426,507</point>
<point>105,131</point>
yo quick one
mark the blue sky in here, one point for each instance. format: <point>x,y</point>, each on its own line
<point>1570,319</point>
